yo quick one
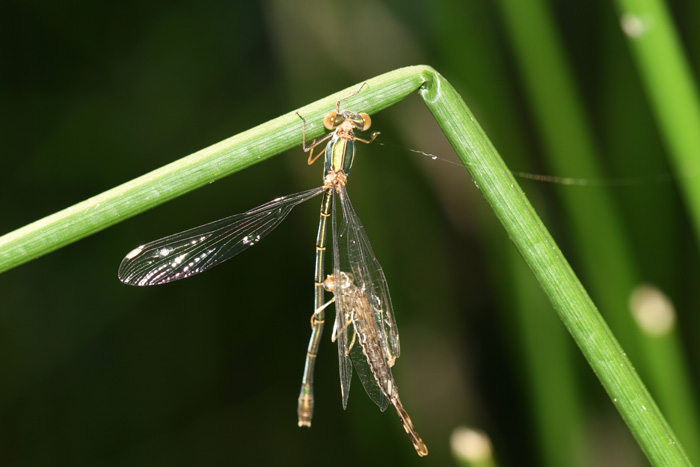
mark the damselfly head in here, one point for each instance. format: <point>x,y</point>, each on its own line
<point>360,121</point>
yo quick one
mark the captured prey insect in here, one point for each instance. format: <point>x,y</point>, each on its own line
<point>198,249</point>
<point>356,312</point>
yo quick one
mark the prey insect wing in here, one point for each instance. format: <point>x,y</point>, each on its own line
<point>366,328</point>
<point>369,276</point>
<point>352,252</point>
<point>198,249</point>
<point>364,372</point>
<point>343,321</point>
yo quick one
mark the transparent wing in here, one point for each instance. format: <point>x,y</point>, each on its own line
<point>368,276</point>
<point>347,257</point>
<point>343,319</point>
<point>364,372</point>
<point>195,250</point>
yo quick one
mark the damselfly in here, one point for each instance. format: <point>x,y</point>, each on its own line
<point>198,249</point>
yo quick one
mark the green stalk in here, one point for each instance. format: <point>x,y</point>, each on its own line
<point>194,171</point>
<point>555,405</point>
<point>669,84</point>
<point>571,151</point>
<point>554,274</point>
<point>556,398</point>
<point>497,184</point>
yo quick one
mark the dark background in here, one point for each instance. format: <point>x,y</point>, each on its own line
<point>206,371</point>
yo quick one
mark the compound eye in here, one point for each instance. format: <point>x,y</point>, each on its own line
<point>366,120</point>
<point>329,120</point>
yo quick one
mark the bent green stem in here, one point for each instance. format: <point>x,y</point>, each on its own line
<point>490,174</point>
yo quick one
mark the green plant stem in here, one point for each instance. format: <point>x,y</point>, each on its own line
<point>556,398</point>
<point>669,84</point>
<point>194,171</point>
<point>497,184</point>
<point>673,95</point>
<point>554,274</point>
<point>555,408</point>
<point>571,150</point>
